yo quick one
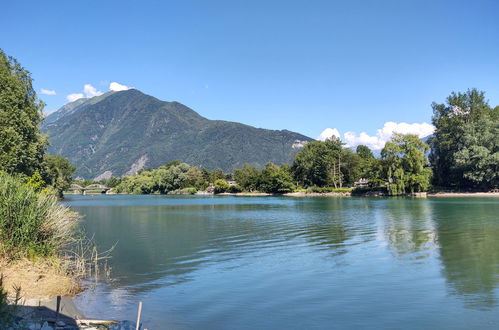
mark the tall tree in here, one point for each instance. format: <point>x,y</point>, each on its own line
<point>465,146</point>
<point>276,179</point>
<point>21,144</point>
<point>405,164</point>
<point>57,172</point>
<point>248,177</point>
<point>320,164</point>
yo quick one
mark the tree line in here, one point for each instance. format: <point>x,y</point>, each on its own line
<point>462,154</point>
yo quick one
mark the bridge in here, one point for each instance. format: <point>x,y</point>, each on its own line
<point>94,188</point>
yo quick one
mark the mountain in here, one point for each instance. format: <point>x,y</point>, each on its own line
<point>119,133</point>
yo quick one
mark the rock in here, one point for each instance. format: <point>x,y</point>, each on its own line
<point>60,323</point>
<point>124,325</point>
<point>46,326</point>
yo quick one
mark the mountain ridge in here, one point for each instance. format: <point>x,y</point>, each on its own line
<point>119,133</point>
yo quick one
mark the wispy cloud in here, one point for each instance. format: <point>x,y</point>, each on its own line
<point>383,135</point>
<point>47,91</point>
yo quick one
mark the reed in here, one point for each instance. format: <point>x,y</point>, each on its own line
<point>32,224</point>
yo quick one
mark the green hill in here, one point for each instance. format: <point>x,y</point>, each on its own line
<point>119,133</point>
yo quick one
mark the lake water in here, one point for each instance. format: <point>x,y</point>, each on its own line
<point>296,263</point>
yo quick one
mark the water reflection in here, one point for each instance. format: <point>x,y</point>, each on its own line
<point>162,243</point>
<point>469,248</point>
<point>297,262</point>
<point>409,228</point>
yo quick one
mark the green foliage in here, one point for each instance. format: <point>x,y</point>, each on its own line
<point>364,152</point>
<point>170,177</point>
<point>248,177</point>
<point>405,164</point>
<point>221,186</point>
<point>369,167</point>
<point>112,181</point>
<point>276,179</point>
<point>323,190</point>
<point>35,182</point>
<point>233,189</point>
<point>57,172</point>
<point>465,146</point>
<point>21,144</point>
<point>31,223</point>
<point>325,164</point>
<point>362,191</point>
<point>183,191</point>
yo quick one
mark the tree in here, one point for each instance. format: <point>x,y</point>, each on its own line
<point>405,164</point>
<point>248,177</point>
<point>320,164</point>
<point>21,144</point>
<point>465,146</point>
<point>221,186</point>
<point>57,172</point>
<point>276,179</point>
<point>369,167</point>
<point>364,152</point>
<point>351,166</point>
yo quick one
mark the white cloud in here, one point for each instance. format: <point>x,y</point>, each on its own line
<point>116,87</point>
<point>91,91</point>
<point>328,133</point>
<point>73,97</point>
<point>47,91</point>
<point>383,135</point>
<point>88,91</point>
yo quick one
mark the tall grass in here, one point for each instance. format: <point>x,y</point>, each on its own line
<point>32,224</point>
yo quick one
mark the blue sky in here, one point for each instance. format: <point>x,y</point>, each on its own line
<point>299,65</point>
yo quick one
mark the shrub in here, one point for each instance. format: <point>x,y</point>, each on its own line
<point>235,189</point>
<point>322,190</point>
<point>221,186</point>
<point>191,190</point>
<point>32,223</point>
<point>361,191</point>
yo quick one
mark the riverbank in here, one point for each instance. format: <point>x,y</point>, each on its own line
<point>464,194</point>
<point>38,279</point>
<point>40,296</point>
<point>337,194</point>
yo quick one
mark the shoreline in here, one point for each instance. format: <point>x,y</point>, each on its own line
<point>327,194</point>
<point>464,194</point>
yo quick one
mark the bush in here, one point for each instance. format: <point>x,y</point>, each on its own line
<point>235,189</point>
<point>361,191</point>
<point>221,186</point>
<point>32,223</point>
<point>323,190</point>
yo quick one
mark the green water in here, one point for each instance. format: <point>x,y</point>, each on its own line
<point>296,263</point>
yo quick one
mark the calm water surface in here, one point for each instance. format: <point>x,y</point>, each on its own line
<point>296,263</point>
